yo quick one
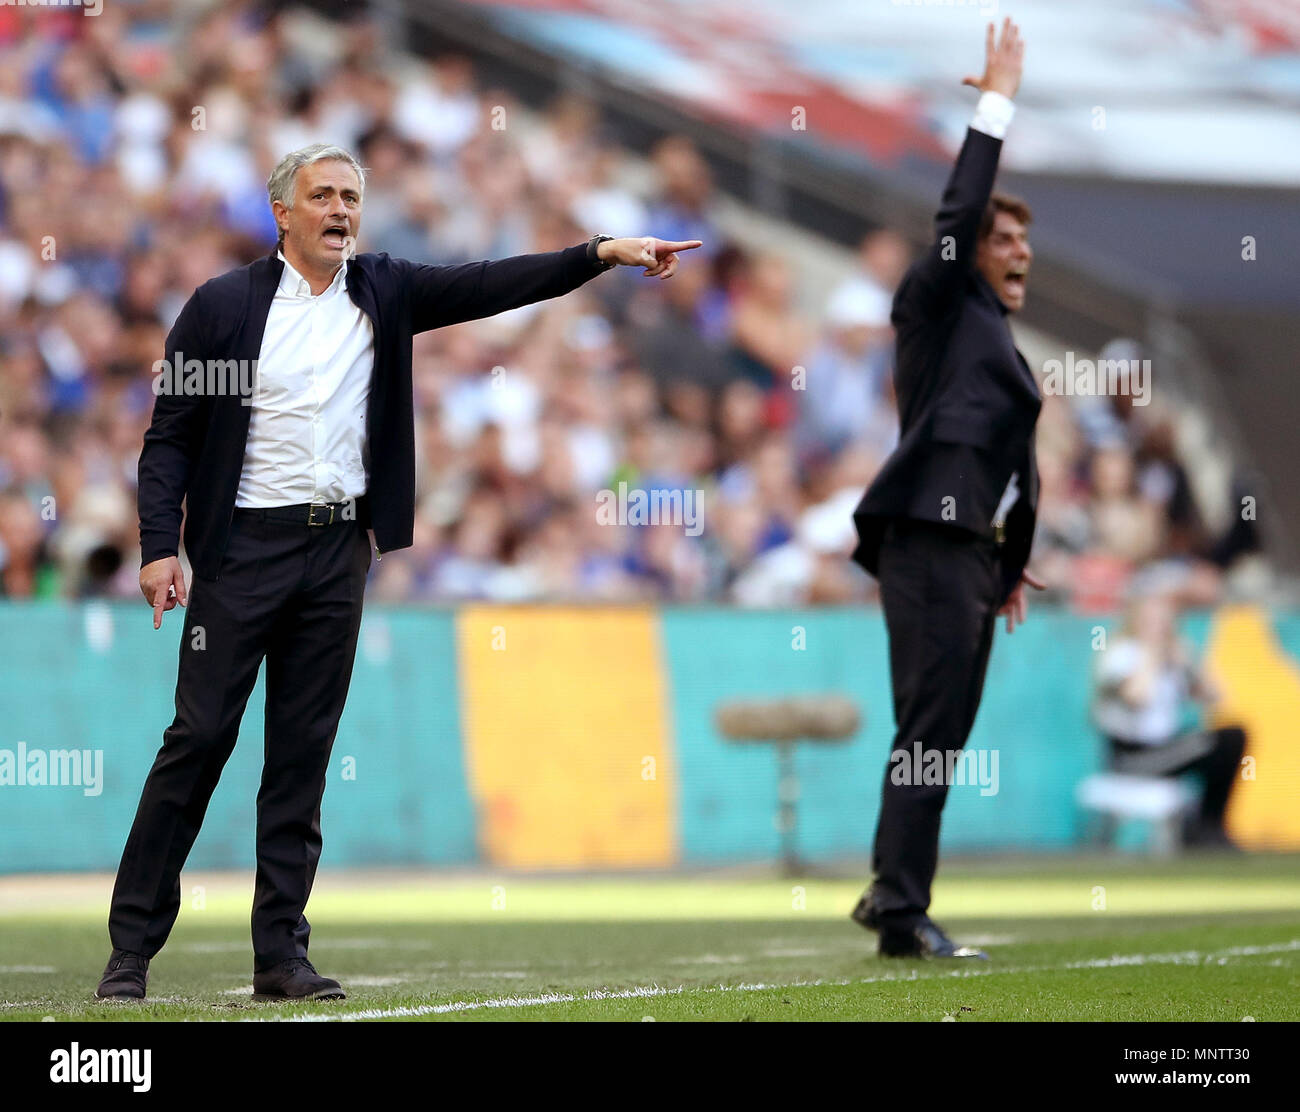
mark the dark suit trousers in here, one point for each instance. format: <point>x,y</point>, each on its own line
<point>940,588</point>
<point>291,594</point>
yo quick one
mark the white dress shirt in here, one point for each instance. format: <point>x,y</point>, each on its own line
<point>307,429</point>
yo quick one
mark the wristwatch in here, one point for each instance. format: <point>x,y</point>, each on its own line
<point>593,245</point>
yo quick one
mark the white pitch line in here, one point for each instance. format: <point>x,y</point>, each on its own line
<point>472,1005</point>
<point>1186,957</point>
<point>710,959</point>
<point>596,994</point>
<point>322,944</point>
<point>1182,957</point>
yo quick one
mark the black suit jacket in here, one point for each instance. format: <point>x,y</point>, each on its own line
<point>194,447</point>
<point>967,402</point>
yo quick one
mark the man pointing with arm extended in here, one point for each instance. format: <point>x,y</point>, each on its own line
<point>947,524</point>
<point>281,482</point>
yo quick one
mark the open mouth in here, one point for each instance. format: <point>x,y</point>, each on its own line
<point>1014,282</point>
<point>336,235</point>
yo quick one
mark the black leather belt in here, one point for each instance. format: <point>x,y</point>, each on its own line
<point>902,526</point>
<point>311,513</point>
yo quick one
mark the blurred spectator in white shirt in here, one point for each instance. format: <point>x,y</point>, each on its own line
<point>1146,680</point>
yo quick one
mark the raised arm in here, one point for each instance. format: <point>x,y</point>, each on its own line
<point>940,273</point>
<point>442,295</point>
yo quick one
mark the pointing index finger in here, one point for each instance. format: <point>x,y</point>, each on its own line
<point>683,245</point>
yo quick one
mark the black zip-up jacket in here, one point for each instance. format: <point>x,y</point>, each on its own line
<point>194,447</point>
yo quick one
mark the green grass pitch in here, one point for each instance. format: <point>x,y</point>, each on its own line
<point>1098,938</point>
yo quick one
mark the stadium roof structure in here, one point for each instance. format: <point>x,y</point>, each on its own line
<point>1194,90</point>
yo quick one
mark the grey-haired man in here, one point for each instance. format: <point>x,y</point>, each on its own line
<point>286,473</point>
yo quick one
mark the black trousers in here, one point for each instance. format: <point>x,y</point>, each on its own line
<point>1213,755</point>
<point>291,594</point>
<point>940,588</point>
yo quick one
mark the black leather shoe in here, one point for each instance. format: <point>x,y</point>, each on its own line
<point>124,977</point>
<point>924,940</point>
<point>865,913</point>
<point>295,979</point>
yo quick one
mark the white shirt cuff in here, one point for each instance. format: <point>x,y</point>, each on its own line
<point>993,114</point>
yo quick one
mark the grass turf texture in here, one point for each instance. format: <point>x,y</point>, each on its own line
<point>1210,938</point>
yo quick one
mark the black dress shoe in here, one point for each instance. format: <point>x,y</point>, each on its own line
<point>865,913</point>
<point>124,977</point>
<point>924,940</point>
<point>295,979</point>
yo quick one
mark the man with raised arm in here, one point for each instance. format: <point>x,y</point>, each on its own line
<point>947,524</point>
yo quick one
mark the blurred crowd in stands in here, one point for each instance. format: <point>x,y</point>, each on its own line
<point>134,151</point>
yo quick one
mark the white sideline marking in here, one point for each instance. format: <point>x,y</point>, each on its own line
<point>1183,957</point>
<point>710,959</point>
<point>379,980</point>
<point>471,1005</point>
<point>27,969</point>
<point>322,944</point>
<point>361,980</point>
<point>1186,957</point>
<point>215,947</point>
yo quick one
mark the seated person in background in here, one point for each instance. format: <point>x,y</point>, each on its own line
<point>1144,680</point>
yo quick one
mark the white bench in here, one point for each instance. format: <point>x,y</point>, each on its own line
<point>1160,801</point>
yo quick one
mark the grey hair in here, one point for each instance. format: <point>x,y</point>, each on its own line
<point>280,185</point>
